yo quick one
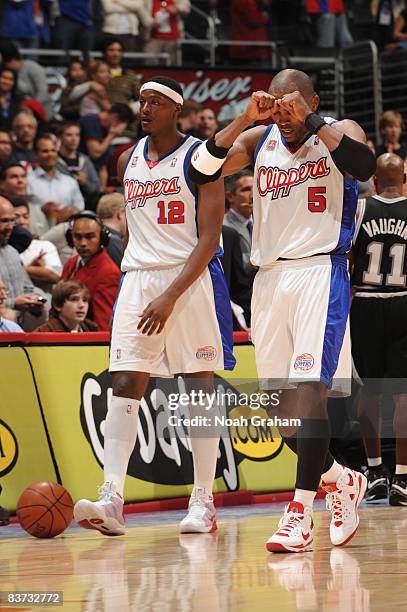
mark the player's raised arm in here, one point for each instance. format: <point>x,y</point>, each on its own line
<point>231,149</point>
<point>345,140</point>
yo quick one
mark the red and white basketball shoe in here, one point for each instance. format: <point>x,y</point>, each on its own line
<point>295,530</point>
<point>201,517</point>
<point>105,515</point>
<point>343,500</point>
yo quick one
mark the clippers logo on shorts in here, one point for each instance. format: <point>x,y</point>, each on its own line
<point>304,363</point>
<point>118,354</point>
<point>208,353</point>
<point>279,182</point>
<point>137,193</point>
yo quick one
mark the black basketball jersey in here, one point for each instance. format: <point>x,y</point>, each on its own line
<point>380,241</point>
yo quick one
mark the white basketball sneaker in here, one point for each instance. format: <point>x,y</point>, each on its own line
<point>343,500</point>
<point>201,517</point>
<point>295,530</point>
<point>105,515</point>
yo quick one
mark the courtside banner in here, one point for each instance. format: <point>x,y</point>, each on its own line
<point>25,455</point>
<point>75,386</point>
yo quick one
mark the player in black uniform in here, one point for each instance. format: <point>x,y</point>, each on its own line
<point>379,322</point>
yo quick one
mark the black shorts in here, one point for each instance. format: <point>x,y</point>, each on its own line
<point>379,341</point>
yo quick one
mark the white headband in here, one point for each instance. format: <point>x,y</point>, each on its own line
<point>166,91</point>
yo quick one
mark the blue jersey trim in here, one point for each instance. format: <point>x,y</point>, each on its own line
<point>145,152</point>
<point>261,142</point>
<point>336,318</point>
<point>350,202</point>
<point>117,296</point>
<point>185,167</point>
<point>223,312</point>
<point>129,159</point>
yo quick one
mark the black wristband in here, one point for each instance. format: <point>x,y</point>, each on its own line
<point>219,152</point>
<point>314,122</point>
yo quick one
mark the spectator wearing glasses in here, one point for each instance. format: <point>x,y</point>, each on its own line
<point>22,296</point>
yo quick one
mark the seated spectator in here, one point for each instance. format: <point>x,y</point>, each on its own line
<point>391,129</point>
<point>7,316</point>
<point>98,133</point>
<point>111,212</point>
<point>69,308</point>
<point>6,146</point>
<point>400,29</point>
<point>9,99</point>
<point>93,266</point>
<point>40,259</point>
<point>239,281</point>
<point>208,123</point>
<point>77,87</point>
<point>74,27</point>
<point>13,182</point>
<point>57,194</point>
<point>122,20</point>
<point>239,216</point>
<point>96,99</point>
<point>78,165</point>
<point>167,28</point>
<point>123,86</point>
<point>331,23</point>
<point>32,79</point>
<point>189,118</point>
<point>249,22</point>
<point>22,296</point>
<point>25,128</point>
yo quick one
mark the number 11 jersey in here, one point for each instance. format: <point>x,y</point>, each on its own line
<point>302,204</point>
<point>161,208</point>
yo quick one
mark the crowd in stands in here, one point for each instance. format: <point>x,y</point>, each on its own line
<point>62,218</point>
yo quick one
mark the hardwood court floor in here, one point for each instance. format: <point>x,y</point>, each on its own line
<point>154,568</point>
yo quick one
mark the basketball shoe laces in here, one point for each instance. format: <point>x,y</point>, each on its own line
<point>106,491</point>
<point>197,504</point>
<point>289,522</point>
<point>337,505</point>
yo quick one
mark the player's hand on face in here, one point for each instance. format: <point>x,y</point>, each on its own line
<point>155,315</point>
<point>295,104</point>
<point>261,106</point>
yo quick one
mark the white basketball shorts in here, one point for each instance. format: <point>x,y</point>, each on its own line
<point>197,337</point>
<point>300,325</point>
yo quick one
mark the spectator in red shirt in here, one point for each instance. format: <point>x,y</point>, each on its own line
<point>249,22</point>
<point>93,266</point>
<point>331,22</point>
<point>166,29</point>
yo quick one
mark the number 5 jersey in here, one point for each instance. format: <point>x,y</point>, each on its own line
<point>302,203</point>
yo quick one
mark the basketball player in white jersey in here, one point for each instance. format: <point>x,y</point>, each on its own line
<point>304,199</point>
<point>173,312</point>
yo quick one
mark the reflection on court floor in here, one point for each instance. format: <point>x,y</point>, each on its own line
<point>155,568</point>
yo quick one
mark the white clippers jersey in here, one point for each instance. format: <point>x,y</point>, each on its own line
<point>302,204</point>
<point>160,208</point>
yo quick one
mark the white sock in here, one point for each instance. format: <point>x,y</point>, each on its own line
<point>120,437</point>
<point>205,449</point>
<point>306,498</point>
<point>374,461</point>
<point>401,469</point>
<point>333,473</point>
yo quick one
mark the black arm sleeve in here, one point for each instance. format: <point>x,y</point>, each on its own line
<point>201,179</point>
<point>354,158</point>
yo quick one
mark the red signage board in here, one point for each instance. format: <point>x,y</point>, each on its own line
<point>225,91</point>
